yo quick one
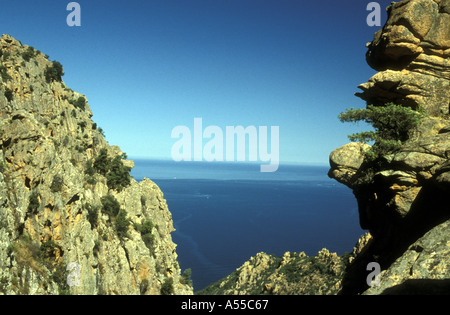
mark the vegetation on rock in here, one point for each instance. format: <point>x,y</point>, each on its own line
<point>54,72</point>
<point>4,73</point>
<point>392,123</point>
<point>64,201</point>
<point>9,94</point>
<point>146,229</point>
<point>291,274</point>
<point>28,54</point>
<point>403,195</point>
<point>110,205</point>
<point>80,103</point>
<point>57,183</point>
<point>33,202</point>
<point>122,223</point>
<point>117,174</point>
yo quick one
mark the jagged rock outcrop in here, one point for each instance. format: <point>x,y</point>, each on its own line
<point>346,161</point>
<point>403,198</point>
<point>411,53</point>
<point>291,274</point>
<point>422,268</point>
<point>72,221</point>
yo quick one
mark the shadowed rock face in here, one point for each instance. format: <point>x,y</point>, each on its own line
<point>412,54</point>
<point>405,195</point>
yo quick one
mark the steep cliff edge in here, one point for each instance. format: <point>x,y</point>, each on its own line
<point>403,196</point>
<point>72,220</point>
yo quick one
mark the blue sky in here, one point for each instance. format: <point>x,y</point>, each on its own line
<point>149,66</point>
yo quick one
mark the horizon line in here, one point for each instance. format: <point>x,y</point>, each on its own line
<point>133,158</point>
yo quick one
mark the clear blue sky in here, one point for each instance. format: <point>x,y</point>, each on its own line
<point>149,66</point>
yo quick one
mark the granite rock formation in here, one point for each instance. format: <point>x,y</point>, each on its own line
<point>291,274</point>
<point>403,199</point>
<point>411,54</point>
<point>60,232</point>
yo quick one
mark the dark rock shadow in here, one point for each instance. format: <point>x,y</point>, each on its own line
<point>420,287</point>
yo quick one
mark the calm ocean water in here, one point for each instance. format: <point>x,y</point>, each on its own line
<point>225,213</point>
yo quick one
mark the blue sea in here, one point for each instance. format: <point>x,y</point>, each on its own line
<point>225,213</point>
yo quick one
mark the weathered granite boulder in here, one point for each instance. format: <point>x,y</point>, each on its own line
<point>346,161</point>
<point>412,54</point>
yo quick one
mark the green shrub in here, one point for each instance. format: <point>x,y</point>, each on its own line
<point>149,241</point>
<point>167,287</point>
<point>66,141</point>
<point>118,176</point>
<point>6,55</point>
<point>4,73</point>
<point>79,103</point>
<point>186,277</point>
<point>102,132</point>
<point>346,258</point>
<point>9,94</point>
<point>29,53</point>
<point>57,183</point>
<point>26,252</point>
<point>122,223</point>
<point>146,227</point>
<point>59,276</point>
<point>146,232</point>
<point>92,215</point>
<point>102,162</point>
<point>143,287</point>
<point>82,125</point>
<point>91,180</point>
<point>48,250</point>
<point>54,72</point>
<point>89,169</point>
<point>96,248</point>
<point>392,124</point>
<point>110,205</point>
<point>33,202</point>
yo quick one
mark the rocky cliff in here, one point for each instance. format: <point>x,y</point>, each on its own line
<point>403,196</point>
<point>72,220</point>
<point>291,274</point>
